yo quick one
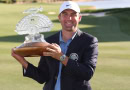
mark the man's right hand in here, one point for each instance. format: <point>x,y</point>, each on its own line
<point>20,59</point>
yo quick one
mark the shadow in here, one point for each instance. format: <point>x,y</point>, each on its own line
<point>13,38</point>
<point>55,21</point>
<point>106,29</point>
<point>106,36</point>
<point>21,38</point>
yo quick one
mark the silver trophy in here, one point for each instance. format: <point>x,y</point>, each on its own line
<point>31,26</point>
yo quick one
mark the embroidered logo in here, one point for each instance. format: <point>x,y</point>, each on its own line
<point>67,5</point>
<point>74,56</point>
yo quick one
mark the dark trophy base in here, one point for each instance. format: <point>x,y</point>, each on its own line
<point>34,49</point>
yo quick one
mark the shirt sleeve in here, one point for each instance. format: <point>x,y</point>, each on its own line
<point>40,73</point>
<point>24,70</point>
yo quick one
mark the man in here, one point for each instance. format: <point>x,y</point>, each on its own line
<point>71,60</point>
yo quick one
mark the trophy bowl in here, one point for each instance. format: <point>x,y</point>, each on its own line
<point>32,49</point>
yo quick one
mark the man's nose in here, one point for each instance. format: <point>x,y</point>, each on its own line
<point>69,18</point>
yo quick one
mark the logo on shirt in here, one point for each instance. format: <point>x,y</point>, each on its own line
<point>67,5</point>
<point>74,56</point>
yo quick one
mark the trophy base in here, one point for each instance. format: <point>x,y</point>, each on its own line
<point>35,50</point>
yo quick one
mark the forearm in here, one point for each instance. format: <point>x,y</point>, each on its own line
<point>40,73</point>
<point>20,59</point>
<point>23,62</point>
<point>79,70</point>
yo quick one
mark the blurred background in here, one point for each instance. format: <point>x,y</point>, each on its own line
<point>108,20</point>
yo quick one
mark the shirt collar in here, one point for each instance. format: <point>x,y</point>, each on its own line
<point>61,39</point>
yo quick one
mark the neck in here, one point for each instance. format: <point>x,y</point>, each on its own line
<point>66,35</point>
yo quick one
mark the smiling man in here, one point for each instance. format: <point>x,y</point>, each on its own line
<point>72,57</point>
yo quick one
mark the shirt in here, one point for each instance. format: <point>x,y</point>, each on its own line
<point>64,47</point>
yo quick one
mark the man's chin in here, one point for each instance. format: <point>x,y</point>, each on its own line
<point>69,29</point>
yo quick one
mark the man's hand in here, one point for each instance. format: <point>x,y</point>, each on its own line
<point>54,51</point>
<point>20,59</point>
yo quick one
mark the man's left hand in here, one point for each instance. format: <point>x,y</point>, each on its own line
<point>54,51</point>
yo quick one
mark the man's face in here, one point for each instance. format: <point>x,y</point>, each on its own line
<point>69,20</point>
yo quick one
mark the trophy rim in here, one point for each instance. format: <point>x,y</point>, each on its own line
<point>36,49</point>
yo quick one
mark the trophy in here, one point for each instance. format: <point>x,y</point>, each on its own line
<point>31,26</point>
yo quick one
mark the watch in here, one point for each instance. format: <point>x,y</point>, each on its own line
<point>62,58</point>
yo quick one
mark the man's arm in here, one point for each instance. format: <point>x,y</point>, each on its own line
<point>40,73</point>
<point>20,59</point>
<point>84,69</point>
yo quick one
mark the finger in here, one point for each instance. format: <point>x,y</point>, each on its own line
<point>53,46</point>
<point>56,44</point>
<point>47,54</point>
<point>12,52</point>
<point>50,50</point>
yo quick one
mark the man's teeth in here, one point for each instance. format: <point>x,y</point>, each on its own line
<point>69,23</point>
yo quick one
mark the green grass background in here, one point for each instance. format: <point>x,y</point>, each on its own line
<point>112,30</point>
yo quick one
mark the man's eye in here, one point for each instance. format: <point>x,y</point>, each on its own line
<point>65,14</point>
<point>74,14</point>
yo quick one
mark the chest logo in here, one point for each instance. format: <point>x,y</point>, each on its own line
<point>74,56</point>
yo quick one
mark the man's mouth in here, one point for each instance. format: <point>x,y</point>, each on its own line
<point>69,24</point>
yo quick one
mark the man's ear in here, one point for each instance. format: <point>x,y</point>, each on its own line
<point>59,17</point>
<point>80,18</point>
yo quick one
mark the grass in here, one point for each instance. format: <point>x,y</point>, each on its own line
<point>112,71</point>
<point>112,30</point>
